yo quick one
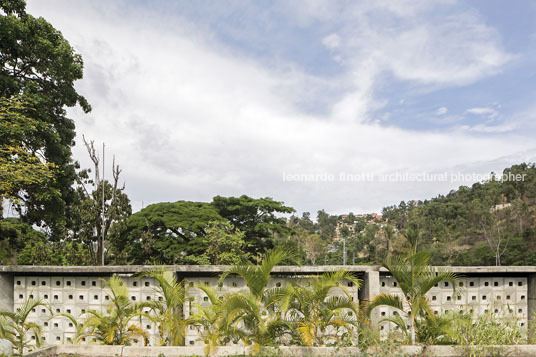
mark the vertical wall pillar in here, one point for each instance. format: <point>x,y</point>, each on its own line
<point>6,291</point>
<point>531,308</point>
<point>371,288</point>
<point>6,303</point>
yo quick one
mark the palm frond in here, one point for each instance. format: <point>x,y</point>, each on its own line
<point>386,300</point>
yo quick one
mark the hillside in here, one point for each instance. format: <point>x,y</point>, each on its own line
<point>488,223</point>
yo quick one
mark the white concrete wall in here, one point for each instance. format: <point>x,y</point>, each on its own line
<point>502,296</point>
<point>77,294</point>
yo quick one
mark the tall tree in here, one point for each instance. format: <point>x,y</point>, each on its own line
<point>256,217</point>
<point>314,247</point>
<point>93,226</point>
<point>327,225</point>
<point>38,64</point>
<point>167,233</point>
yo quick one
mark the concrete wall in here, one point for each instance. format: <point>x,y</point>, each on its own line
<point>75,295</point>
<point>505,291</point>
<point>503,296</point>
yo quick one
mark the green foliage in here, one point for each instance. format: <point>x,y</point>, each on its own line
<point>167,233</point>
<point>167,313</point>
<point>314,247</point>
<point>439,329</point>
<point>309,239</point>
<point>21,167</point>
<point>210,322</point>
<point>326,225</point>
<point>21,244</point>
<point>488,329</point>
<point>39,64</point>
<point>226,246</point>
<point>318,313</point>
<point>15,327</point>
<point>415,278</point>
<point>489,223</point>
<point>115,326</point>
<point>256,217</point>
<point>39,251</point>
<point>14,234</point>
<point>251,315</point>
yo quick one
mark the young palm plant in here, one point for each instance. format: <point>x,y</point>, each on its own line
<point>14,326</point>
<point>116,326</point>
<point>317,313</point>
<point>168,311</point>
<point>252,315</point>
<point>78,325</point>
<point>415,278</point>
<point>209,321</point>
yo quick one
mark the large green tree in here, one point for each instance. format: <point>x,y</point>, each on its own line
<point>167,232</point>
<point>258,218</point>
<point>38,64</point>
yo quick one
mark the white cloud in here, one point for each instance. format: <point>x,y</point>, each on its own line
<point>188,119</point>
<point>441,111</point>
<point>331,41</point>
<point>408,42</point>
<point>494,129</point>
<point>484,111</point>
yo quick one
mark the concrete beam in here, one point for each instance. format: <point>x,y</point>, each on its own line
<point>195,269</point>
<point>215,269</point>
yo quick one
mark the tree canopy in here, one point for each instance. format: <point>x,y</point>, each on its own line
<point>256,217</point>
<point>168,232</point>
<point>39,65</point>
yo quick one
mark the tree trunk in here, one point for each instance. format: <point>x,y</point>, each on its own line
<point>412,329</point>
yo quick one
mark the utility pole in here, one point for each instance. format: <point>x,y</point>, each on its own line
<point>344,251</point>
<point>101,258</point>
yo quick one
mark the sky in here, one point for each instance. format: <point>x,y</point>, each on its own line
<point>321,104</point>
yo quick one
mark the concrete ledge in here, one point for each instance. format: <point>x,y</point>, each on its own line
<point>217,269</point>
<point>287,351</point>
<point>199,269</point>
<point>43,352</point>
